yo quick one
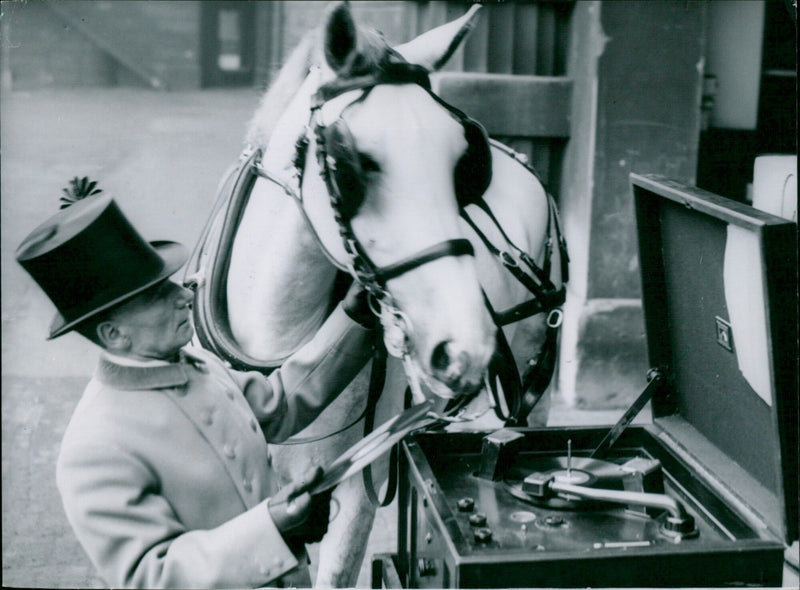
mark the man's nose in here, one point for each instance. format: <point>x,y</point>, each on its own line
<point>183,296</point>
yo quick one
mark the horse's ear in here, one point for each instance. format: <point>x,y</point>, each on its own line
<point>434,48</point>
<point>340,36</point>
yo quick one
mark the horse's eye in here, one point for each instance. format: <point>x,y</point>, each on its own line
<point>368,163</point>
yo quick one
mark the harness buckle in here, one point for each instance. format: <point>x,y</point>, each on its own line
<point>396,327</point>
<point>555,318</point>
<point>507,259</point>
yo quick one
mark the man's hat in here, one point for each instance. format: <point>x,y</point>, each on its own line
<point>88,258</point>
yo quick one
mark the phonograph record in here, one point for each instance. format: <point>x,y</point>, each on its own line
<point>705,495</point>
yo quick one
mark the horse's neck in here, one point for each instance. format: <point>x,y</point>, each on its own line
<point>279,281</point>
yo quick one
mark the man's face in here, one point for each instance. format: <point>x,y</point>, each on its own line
<point>157,321</point>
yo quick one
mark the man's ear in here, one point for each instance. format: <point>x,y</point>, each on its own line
<point>112,337</point>
<point>432,49</point>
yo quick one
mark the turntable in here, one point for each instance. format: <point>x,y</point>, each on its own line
<point>706,495</point>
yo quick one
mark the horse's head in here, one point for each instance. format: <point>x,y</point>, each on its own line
<point>392,165</point>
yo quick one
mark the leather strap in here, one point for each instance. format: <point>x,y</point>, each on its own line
<point>377,379</point>
<point>520,396</point>
<point>545,294</point>
<point>537,375</point>
<point>457,247</point>
<point>531,307</point>
<point>207,269</point>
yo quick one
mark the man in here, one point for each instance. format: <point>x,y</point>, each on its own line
<point>164,470</point>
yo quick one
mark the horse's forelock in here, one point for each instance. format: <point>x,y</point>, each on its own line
<point>372,50</point>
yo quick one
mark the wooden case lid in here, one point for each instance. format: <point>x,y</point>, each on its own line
<point>719,292</point>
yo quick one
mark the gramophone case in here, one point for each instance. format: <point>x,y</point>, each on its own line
<point>706,495</point>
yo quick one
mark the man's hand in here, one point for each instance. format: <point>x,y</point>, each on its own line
<point>356,306</point>
<point>300,517</point>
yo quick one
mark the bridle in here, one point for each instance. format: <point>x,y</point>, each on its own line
<point>364,270</point>
<point>374,278</point>
<point>396,325</point>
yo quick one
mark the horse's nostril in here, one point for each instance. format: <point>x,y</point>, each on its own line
<point>449,364</point>
<point>440,358</point>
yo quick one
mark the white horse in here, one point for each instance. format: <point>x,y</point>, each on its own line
<point>407,153</point>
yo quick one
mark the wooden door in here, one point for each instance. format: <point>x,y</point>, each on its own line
<point>510,75</point>
<point>227,31</point>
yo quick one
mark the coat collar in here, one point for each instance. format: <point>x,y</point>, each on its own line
<point>120,375</point>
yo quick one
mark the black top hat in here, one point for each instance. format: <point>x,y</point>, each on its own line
<point>88,258</point>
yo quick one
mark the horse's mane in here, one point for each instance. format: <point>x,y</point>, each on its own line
<point>282,90</point>
<point>371,50</point>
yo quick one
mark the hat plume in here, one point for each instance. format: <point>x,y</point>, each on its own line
<point>79,188</point>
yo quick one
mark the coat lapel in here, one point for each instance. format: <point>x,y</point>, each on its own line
<point>129,377</point>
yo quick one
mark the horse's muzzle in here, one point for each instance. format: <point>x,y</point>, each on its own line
<point>454,368</point>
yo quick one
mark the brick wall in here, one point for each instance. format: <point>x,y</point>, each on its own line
<point>43,51</point>
<point>102,43</point>
<point>281,25</point>
<point>123,42</point>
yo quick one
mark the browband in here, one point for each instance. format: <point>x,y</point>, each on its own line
<point>389,72</point>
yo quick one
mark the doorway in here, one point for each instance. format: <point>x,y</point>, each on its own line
<point>227,43</point>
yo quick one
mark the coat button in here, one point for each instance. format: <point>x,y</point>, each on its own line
<point>248,487</point>
<point>229,451</point>
<point>229,393</point>
<point>253,425</point>
<point>209,418</point>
